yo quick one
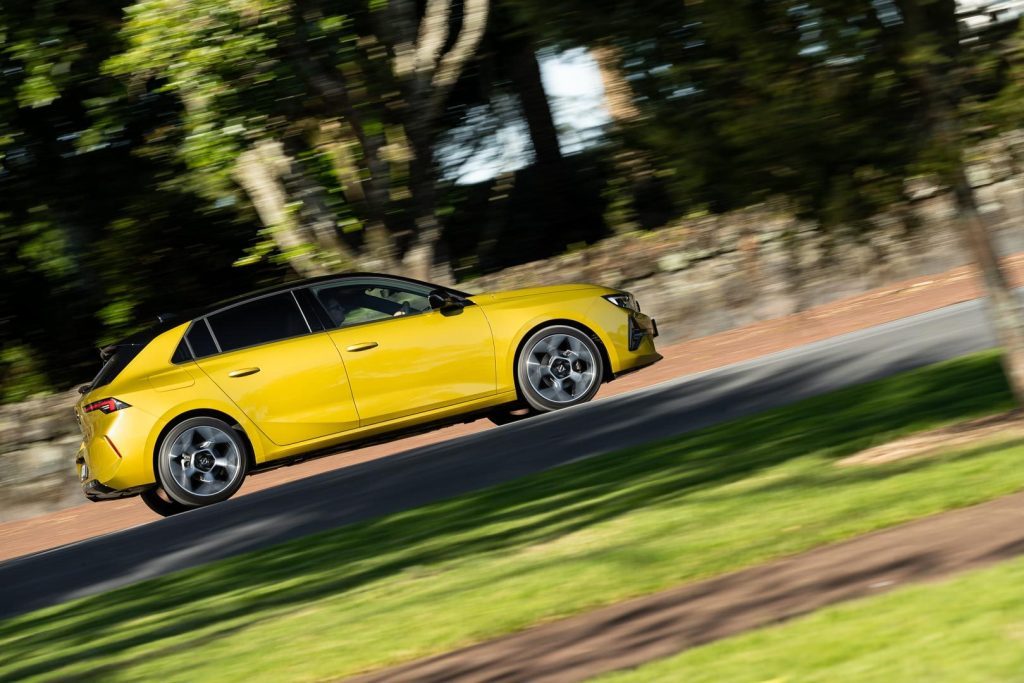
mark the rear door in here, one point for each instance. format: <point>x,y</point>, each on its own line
<point>286,376</point>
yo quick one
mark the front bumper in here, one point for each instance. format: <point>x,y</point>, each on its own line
<point>636,347</point>
<point>641,327</point>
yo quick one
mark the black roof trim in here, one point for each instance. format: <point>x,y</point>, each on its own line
<point>144,336</point>
<point>306,282</point>
<point>167,322</point>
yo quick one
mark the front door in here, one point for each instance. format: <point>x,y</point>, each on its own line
<point>402,357</point>
<point>290,382</point>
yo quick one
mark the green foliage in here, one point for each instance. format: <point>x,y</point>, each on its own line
<point>824,102</point>
<point>20,374</point>
<point>122,125</point>
<point>220,59</point>
<point>95,238</point>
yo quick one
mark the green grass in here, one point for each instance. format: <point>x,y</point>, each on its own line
<point>968,629</point>
<point>549,545</point>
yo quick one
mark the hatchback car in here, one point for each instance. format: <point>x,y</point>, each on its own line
<point>181,413</point>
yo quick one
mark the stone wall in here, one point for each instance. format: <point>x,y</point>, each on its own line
<point>711,274</point>
<point>39,440</point>
<point>698,277</point>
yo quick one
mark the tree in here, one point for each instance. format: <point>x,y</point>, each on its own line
<point>90,233</point>
<point>832,103</point>
<point>933,51</point>
<point>325,114</point>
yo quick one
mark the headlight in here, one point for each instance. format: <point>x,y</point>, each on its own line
<point>624,300</point>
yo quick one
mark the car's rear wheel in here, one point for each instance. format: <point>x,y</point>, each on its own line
<point>559,367</point>
<point>201,461</point>
<point>157,500</point>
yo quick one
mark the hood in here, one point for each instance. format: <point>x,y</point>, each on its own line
<point>493,297</point>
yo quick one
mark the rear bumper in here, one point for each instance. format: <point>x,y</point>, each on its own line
<point>96,491</point>
<point>114,449</point>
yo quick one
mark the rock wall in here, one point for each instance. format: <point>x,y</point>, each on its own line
<point>39,440</point>
<point>711,274</point>
<point>699,277</point>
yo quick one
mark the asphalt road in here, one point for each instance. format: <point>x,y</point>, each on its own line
<point>440,471</point>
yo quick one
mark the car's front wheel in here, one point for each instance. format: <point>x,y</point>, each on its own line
<point>201,461</point>
<point>559,366</point>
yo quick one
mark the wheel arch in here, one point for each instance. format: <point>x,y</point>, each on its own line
<point>250,453</point>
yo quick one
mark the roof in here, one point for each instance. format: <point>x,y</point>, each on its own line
<point>167,322</point>
<point>306,282</point>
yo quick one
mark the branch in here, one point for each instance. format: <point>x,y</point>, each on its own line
<point>474,22</point>
<point>432,35</point>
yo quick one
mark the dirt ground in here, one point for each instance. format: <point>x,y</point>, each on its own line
<point>991,429</point>
<point>630,633</point>
<point>891,303</point>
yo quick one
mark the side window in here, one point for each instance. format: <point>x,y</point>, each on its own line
<point>354,303</point>
<point>200,341</point>
<point>258,322</point>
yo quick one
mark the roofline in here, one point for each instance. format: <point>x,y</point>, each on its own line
<point>147,334</point>
<point>306,282</point>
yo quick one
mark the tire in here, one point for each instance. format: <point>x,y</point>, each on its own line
<point>201,461</point>
<point>559,367</point>
<point>510,414</point>
<point>157,500</point>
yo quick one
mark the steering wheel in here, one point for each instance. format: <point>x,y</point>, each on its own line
<point>405,310</point>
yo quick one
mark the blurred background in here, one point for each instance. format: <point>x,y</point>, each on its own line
<point>735,161</point>
<point>764,176</point>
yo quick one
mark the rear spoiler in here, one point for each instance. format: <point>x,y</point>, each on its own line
<point>164,322</point>
<point>107,351</point>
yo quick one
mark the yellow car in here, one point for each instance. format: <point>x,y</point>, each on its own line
<point>181,413</point>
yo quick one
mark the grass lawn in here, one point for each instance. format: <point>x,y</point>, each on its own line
<point>968,629</point>
<point>549,545</point>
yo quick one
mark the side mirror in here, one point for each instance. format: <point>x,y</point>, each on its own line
<point>443,300</point>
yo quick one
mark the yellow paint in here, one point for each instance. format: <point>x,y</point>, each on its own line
<point>325,389</point>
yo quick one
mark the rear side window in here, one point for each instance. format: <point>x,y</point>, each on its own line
<point>115,363</point>
<point>258,322</point>
<point>200,340</point>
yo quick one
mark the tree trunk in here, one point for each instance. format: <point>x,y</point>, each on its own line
<point>526,78</point>
<point>426,257</point>
<point>558,188</point>
<point>260,172</point>
<point>429,68</point>
<point>1004,308</point>
<point>933,24</point>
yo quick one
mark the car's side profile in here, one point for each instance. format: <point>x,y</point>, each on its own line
<point>180,414</point>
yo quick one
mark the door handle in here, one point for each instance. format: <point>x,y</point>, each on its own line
<point>244,372</point>
<point>365,346</point>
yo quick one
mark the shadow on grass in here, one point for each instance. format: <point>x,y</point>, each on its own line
<point>532,510</point>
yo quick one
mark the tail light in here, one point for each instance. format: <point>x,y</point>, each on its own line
<point>105,406</point>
